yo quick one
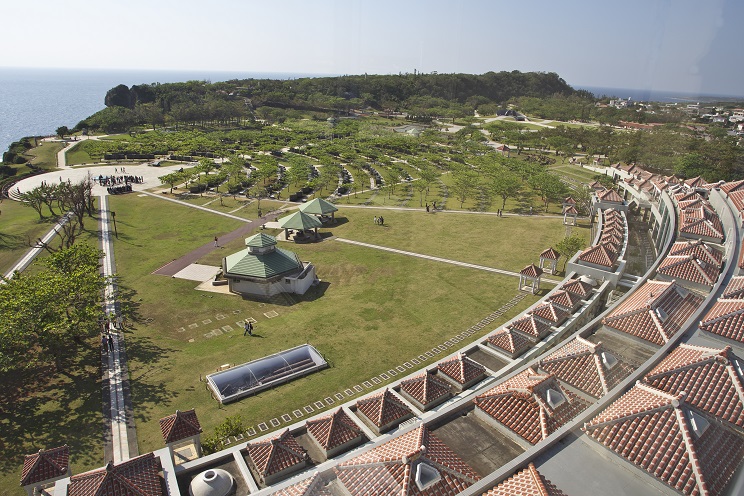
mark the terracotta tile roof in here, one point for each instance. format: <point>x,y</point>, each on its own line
<point>569,201</point>
<point>596,185</point>
<point>662,435</point>
<point>550,254</point>
<point>725,318</point>
<point>512,342</point>
<point>732,186</point>
<point>741,258</point>
<point>425,388</point>
<point>531,270</point>
<point>524,405</point>
<point>700,249</point>
<point>735,289</point>
<point>695,202</point>
<point>180,425</point>
<point>586,366</point>
<point>331,431</point>
<point>312,486</point>
<point>696,182</point>
<point>687,196</point>
<point>44,465</point>
<point>550,312</point>
<point>701,221</point>
<point>570,210</point>
<point>737,198</point>
<point>610,195</point>
<point>598,255</point>
<point>527,482</point>
<point>654,312</point>
<point>134,477</point>
<point>278,453</point>
<point>532,327</point>
<point>578,287</point>
<point>383,408</point>
<point>390,469</point>
<point>689,268</point>
<point>461,369</point>
<point>708,376</point>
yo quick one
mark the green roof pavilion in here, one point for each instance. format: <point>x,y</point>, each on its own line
<point>301,222</point>
<point>319,206</point>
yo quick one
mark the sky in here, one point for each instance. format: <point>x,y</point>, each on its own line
<point>671,45</point>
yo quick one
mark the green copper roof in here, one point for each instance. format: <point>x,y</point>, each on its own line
<point>318,207</point>
<point>299,220</point>
<point>267,265</point>
<point>260,240</point>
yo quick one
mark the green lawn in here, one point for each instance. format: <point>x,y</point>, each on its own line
<point>20,227</point>
<point>45,155</point>
<point>391,306</point>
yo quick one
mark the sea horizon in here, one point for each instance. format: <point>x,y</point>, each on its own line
<point>36,101</point>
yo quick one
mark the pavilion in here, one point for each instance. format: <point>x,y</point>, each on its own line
<point>529,278</point>
<point>264,270</point>
<point>321,208</point>
<point>301,222</point>
<point>549,260</point>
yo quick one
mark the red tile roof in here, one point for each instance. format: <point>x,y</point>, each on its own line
<point>531,270</point>
<point>735,289</point>
<point>732,186</point>
<point>331,431</point>
<point>610,195</point>
<point>180,425</point>
<point>569,201</point>
<point>725,318</point>
<point>687,196</point>
<point>461,369</point>
<point>701,221</point>
<point>570,210</point>
<point>532,327</point>
<point>741,258</point>
<point>699,249</point>
<point>586,366</point>
<point>709,378</point>
<point>512,342</point>
<point>737,198</point>
<point>662,435</point>
<point>135,477</point>
<point>312,486</point>
<point>425,388</point>
<point>689,268</point>
<point>578,287</point>
<point>598,255</point>
<point>383,408</point>
<point>45,465</point>
<point>550,254</point>
<point>278,453</point>
<point>654,312</point>
<point>522,405</point>
<point>566,299</point>
<point>696,182</point>
<point>390,468</point>
<point>550,312</point>
<point>527,482</point>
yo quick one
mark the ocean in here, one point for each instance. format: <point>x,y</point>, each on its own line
<point>35,102</point>
<point>656,95</point>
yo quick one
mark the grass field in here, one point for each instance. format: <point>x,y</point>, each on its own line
<point>20,227</point>
<point>390,306</point>
<point>45,155</point>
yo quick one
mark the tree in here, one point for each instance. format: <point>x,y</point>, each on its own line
<point>62,131</point>
<point>172,179</point>
<point>505,184</point>
<point>465,182</point>
<point>549,187</point>
<point>568,246</point>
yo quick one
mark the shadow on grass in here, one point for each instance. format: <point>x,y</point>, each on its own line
<point>42,408</point>
<point>153,358</point>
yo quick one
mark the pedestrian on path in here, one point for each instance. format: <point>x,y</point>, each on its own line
<point>216,244</point>
<point>375,219</point>
<point>248,328</point>
<point>103,342</point>
<point>111,343</point>
<point>427,207</point>
<point>382,221</point>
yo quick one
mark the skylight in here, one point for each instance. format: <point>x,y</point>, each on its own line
<point>608,360</point>
<point>698,423</point>
<point>426,476</point>
<point>554,398</point>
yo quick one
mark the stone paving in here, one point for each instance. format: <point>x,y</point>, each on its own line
<point>377,381</point>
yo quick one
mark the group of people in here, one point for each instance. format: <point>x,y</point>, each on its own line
<point>379,220</point>
<point>108,327</point>
<point>115,180</point>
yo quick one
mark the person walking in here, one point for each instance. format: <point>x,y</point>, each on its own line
<point>104,343</point>
<point>375,221</point>
<point>216,244</point>
<point>248,328</point>
<point>111,343</point>
<point>427,207</point>
<point>382,221</point>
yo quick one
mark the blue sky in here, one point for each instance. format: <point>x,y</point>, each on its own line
<point>677,45</point>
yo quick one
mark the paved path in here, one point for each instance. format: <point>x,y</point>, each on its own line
<point>439,259</point>
<point>181,263</point>
<point>115,375</point>
<point>35,250</point>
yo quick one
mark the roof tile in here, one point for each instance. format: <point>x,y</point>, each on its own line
<point>45,465</point>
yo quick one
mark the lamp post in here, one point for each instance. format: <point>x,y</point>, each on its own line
<point>113,217</point>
